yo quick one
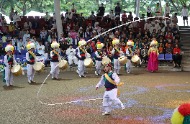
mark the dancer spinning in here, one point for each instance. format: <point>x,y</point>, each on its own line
<point>153,56</point>
<point>31,59</point>
<point>98,57</point>
<point>110,80</point>
<point>116,52</point>
<point>9,60</point>
<point>129,54</point>
<point>55,58</point>
<point>81,54</point>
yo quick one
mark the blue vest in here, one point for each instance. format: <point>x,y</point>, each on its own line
<point>107,83</point>
<point>116,54</point>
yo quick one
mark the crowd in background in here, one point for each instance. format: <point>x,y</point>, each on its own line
<point>42,31</point>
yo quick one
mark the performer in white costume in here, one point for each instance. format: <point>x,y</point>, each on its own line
<point>55,58</point>
<point>31,59</point>
<point>9,61</point>
<point>116,52</point>
<point>70,52</point>
<point>129,54</point>
<point>98,57</point>
<point>81,54</point>
<point>110,80</point>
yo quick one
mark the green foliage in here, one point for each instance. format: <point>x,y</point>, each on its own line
<point>84,6</point>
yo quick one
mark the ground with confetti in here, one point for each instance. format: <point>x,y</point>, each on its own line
<point>149,98</point>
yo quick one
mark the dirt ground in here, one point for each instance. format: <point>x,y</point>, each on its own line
<point>149,98</point>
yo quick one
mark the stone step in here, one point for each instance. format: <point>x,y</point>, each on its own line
<point>184,62</point>
<point>176,69</point>
<point>184,27</point>
<point>184,31</point>
<point>186,46</point>
<point>186,68</point>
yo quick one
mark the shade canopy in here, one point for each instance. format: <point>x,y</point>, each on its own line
<point>35,13</point>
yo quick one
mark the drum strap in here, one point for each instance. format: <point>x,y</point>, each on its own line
<point>32,54</point>
<point>117,50</point>
<point>113,82</point>
<point>84,51</point>
<point>56,52</point>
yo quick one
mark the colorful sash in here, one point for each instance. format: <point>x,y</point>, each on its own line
<point>112,82</point>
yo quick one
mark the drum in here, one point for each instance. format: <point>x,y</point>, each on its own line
<point>88,62</point>
<point>38,66</point>
<point>16,70</point>
<point>122,60</point>
<point>63,64</point>
<point>105,60</point>
<point>135,59</point>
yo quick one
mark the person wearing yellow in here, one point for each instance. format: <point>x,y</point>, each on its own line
<point>116,52</point>
<point>31,59</point>
<point>111,81</point>
<point>153,56</point>
<point>55,58</point>
<point>98,57</point>
<point>9,61</point>
<point>81,54</point>
<point>129,54</point>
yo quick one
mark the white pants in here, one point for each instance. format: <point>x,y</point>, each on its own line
<point>98,66</point>
<point>128,66</point>
<point>116,66</point>
<point>54,69</point>
<point>30,72</point>
<point>81,67</point>
<point>109,97</point>
<point>8,76</point>
<point>72,59</point>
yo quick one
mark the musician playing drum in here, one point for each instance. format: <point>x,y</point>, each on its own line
<point>81,55</point>
<point>9,60</point>
<point>98,57</point>
<point>31,59</point>
<point>55,57</point>
<point>116,54</point>
<point>129,54</point>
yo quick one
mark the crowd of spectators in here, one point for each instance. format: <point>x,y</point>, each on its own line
<point>42,31</point>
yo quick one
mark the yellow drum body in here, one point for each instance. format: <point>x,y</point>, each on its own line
<point>16,70</point>
<point>38,66</point>
<point>105,60</point>
<point>122,60</point>
<point>88,62</point>
<point>135,59</point>
<point>63,64</point>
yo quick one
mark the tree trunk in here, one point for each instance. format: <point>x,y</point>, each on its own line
<point>174,5</point>
<point>58,17</point>
<point>24,8</point>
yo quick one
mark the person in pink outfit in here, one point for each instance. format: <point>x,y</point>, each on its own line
<point>153,57</point>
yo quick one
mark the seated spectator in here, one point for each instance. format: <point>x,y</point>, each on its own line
<point>169,49</point>
<point>11,28</point>
<point>144,54</point>
<point>40,49</point>
<point>20,45</point>
<point>27,25</point>
<point>169,36</point>
<point>161,48</point>
<point>177,57</point>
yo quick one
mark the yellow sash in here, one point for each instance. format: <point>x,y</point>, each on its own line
<point>117,50</point>
<point>83,50</point>
<point>56,52</point>
<point>32,54</point>
<point>112,82</point>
